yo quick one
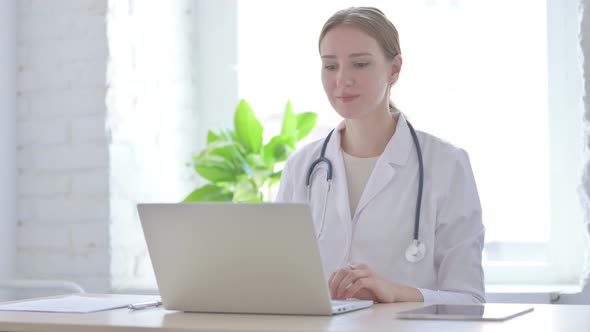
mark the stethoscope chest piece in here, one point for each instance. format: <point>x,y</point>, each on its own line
<point>416,251</point>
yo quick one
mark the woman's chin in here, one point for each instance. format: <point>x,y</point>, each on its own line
<point>347,111</point>
<point>349,114</point>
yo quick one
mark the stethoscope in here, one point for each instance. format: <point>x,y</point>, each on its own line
<point>416,250</point>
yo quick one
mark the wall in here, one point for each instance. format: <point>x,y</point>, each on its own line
<point>584,56</point>
<point>62,145</point>
<point>7,138</point>
<point>80,171</point>
<point>169,81</point>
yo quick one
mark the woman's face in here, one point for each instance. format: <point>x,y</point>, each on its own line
<point>355,73</point>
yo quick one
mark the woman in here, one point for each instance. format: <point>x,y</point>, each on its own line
<point>372,248</point>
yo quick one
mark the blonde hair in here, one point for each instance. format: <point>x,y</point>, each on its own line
<point>374,23</point>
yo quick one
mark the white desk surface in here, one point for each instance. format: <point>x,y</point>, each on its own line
<point>381,317</point>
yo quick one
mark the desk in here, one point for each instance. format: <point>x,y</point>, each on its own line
<point>545,317</point>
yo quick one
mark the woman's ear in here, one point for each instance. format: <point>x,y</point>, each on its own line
<point>396,67</point>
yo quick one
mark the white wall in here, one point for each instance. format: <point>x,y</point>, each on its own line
<point>81,172</point>
<point>62,146</point>
<point>166,88</point>
<point>7,137</point>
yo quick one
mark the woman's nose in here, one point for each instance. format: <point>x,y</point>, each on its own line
<point>344,79</point>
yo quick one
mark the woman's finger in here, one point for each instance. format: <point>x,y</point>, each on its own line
<point>350,277</point>
<point>335,280</point>
<point>355,287</point>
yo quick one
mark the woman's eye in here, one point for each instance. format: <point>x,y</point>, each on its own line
<point>361,64</point>
<point>329,67</point>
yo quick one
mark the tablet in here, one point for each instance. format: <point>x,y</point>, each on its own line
<point>485,312</point>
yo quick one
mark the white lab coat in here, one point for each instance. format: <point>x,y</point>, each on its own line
<point>382,226</point>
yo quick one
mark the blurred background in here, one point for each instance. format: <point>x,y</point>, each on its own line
<point>103,104</point>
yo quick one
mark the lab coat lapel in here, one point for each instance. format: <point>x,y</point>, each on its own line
<point>339,185</point>
<point>381,176</point>
<point>395,155</point>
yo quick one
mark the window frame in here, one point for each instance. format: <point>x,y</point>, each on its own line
<point>567,246</point>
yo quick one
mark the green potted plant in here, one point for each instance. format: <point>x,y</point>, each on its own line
<point>238,166</point>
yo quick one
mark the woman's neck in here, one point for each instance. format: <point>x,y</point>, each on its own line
<point>367,137</point>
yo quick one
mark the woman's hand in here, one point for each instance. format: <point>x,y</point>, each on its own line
<point>359,281</point>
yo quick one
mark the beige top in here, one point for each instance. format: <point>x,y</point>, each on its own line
<point>357,171</point>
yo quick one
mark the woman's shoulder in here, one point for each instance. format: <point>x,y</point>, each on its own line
<point>304,155</point>
<point>441,149</point>
<point>446,164</point>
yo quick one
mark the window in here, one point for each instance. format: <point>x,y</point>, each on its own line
<point>502,81</point>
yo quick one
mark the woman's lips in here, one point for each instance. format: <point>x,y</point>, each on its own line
<point>347,98</point>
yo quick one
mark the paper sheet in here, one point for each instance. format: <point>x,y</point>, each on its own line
<point>71,304</point>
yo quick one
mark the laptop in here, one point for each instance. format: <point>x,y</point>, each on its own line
<point>257,258</point>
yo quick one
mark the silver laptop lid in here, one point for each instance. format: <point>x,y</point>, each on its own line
<point>241,258</point>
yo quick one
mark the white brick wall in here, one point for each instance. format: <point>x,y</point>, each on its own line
<point>62,144</point>
<point>44,105</point>
<point>7,141</point>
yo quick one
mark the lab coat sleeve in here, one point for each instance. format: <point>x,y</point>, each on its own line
<point>286,186</point>
<point>459,239</point>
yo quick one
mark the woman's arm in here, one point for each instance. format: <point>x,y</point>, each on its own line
<point>431,296</point>
<point>359,281</point>
<point>459,239</point>
<point>286,187</point>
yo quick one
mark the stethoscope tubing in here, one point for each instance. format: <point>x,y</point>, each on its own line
<point>321,159</point>
<point>329,174</point>
<point>420,181</point>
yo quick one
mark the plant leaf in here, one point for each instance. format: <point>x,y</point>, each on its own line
<point>275,177</point>
<point>258,170</point>
<point>289,126</point>
<point>209,193</point>
<point>212,137</point>
<point>230,151</point>
<point>248,128</point>
<point>278,149</point>
<point>246,191</point>
<point>215,168</point>
<point>226,135</point>
<point>305,123</point>
<point>256,162</point>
